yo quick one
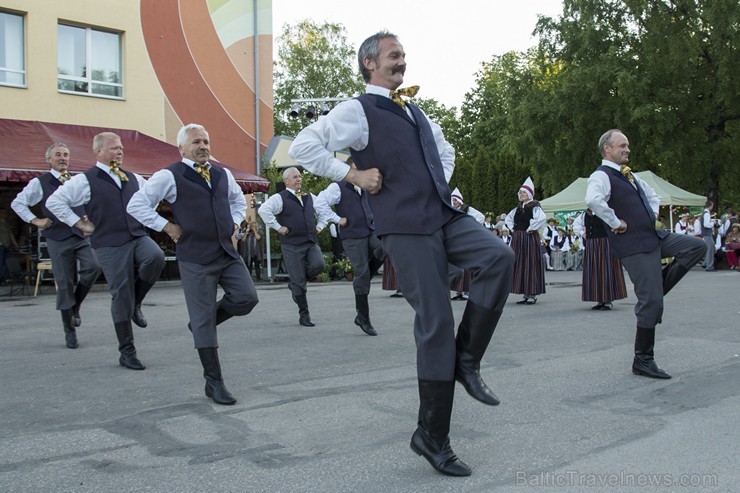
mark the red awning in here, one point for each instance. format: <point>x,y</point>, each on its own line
<point>23,144</point>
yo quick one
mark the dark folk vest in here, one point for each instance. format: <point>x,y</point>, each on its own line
<point>58,230</point>
<point>107,209</point>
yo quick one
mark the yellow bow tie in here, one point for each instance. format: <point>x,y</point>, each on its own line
<point>627,172</point>
<point>114,168</point>
<point>65,177</point>
<point>204,171</point>
<point>408,92</point>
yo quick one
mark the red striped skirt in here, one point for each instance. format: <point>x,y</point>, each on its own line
<point>529,266</point>
<point>603,278</point>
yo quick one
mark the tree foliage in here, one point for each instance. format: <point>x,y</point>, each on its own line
<point>314,61</point>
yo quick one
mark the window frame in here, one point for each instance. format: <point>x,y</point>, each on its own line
<point>88,53</point>
<point>24,71</point>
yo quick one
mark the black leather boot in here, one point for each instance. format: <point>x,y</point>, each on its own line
<point>473,335</point>
<point>304,318</point>
<point>70,335</point>
<point>431,438</point>
<point>672,273</point>
<point>644,362</point>
<point>141,288</point>
<point>80,295</point>
<point>125,335</point>
<point>362,320</point>
<point>374,264</point>
<point>215,388</point>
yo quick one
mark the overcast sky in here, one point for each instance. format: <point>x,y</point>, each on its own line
<point>445,42</point>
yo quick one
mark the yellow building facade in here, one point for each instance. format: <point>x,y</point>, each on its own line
<point>145,65</point>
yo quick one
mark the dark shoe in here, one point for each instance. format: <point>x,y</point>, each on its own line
<point>365,325</point>
<point>304,317</point>
<point>607,306</point>
<point>458,296</point>
<point>598,307</point>
<point>522,301</point>
<point>80,295</point>
<point>70,335</point>
<point>473,336</point>
<point>531,301</point>
<point>131,362</point>
<point>644,362</point>
<point>76,319</point>
<point>431,438</point>
<point>442,458</point>
<point>216,390</point>
<point>138,317</point>
<point>215,387</point>
<point>397,294</point>
<point>125,336</point>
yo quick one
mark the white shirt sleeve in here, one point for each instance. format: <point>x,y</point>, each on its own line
<point>327,198</point>
<point>538,219</point>
<point>271,208</point>
<point>579,225</point>
<point>31,195</point>
<point>651,195</point>
<point>314,147</point>
<point>74,193</point>
<point>143,204</point>
<point>598,193</point>
<point>509,221</point>
<point>477,215</point>
<point>237,202</point>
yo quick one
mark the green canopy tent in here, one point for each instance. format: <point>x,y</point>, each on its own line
<point>572,198</point>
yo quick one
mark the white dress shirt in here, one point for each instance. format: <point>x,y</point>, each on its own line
<point>324,202</point>
<point>599,191</point>
<point>273,206</point>
<point>535,224</point>
<point>31,195</point>
<point>579,225</point>
<point>76,192</point>
<point>477,215</point>
<point>162,186</point>
<point>346,126</point>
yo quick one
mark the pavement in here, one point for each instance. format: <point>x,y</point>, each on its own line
<point>329,409</point>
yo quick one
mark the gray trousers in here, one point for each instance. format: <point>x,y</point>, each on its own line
<point>359,252</point>
<point>139,259</point>
<point>420,262</point>
<point>64,257</point>
<point>711,249</point>
<point>303,262</point>
<point>200,284</point>
<point>646,274</point>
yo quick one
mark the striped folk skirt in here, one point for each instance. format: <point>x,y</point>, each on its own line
<point>529,266</point>
<point>603,278</point>
<point>463,285</point>
<point>390,281</point>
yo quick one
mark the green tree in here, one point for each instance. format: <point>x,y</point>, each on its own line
<point>314,61</point>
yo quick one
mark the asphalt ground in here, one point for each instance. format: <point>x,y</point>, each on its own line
<point>329,409</point>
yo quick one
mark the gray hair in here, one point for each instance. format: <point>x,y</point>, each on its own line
<point>287,170</point>
<point>182,135</point>
<point>54,146</point>
<point>607,138</point>
<point>102,137</point>
<point>370,48</point>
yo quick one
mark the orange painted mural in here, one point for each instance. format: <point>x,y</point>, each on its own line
<point>203,55</point>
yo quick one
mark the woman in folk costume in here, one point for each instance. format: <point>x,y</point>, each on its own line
<point>460,279</point>
<point>529,267</point>
<point>559,246</point>
<point>603,278</point>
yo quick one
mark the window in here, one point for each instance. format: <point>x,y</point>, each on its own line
<point>89,62</point>
<point>12,58</point>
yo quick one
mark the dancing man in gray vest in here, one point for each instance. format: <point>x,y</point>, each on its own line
<point>208,207</point>
<point>291,213</point>
<point>357,232</point>
<point>131,260</point>
<point>629,207</point>
<point>67,245</point>
<point>405,163</point>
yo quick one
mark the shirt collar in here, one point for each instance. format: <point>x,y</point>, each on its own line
<point>380,91</point>
<point>191,163</point>
<point>606,162</point>
<point>56,174</point>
